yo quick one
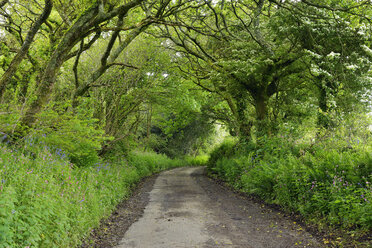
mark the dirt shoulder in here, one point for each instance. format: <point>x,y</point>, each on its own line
<point>183,207</point>
<point>112,230</point>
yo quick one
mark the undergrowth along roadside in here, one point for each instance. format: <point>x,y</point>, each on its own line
<point>329,187</point>
<point>47,202</point>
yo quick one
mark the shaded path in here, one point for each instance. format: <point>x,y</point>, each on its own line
<point>186,209</point>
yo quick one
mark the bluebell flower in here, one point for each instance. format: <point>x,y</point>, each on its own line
<point>4,136</point>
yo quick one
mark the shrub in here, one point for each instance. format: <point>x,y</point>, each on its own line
<point>325,183</point>
<point>78,135</point>
<point>225,150</point>
<point>200,160</point>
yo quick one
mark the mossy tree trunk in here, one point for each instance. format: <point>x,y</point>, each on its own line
<point>6,77</point>
<point>91,18</point>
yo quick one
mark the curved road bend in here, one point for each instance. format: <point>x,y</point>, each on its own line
<point>187,209</point>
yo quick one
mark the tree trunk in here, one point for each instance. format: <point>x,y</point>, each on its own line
<point>235,122</point>
<point>244,125</point>
<point>323,121</point>
<point>2,3</point>
<point>92,17</point>
<point>70,39</point>
<point>260,101</point>
<point>25,47</point>
<point>149,119</point>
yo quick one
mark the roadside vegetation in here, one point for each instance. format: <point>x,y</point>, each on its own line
<point>95,95</point>
<point>327,182</point>
<point>46,201</point>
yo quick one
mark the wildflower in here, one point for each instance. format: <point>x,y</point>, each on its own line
<point>3,137</point>
<point>313,185</point>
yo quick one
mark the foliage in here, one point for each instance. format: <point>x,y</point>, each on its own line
<point>320,181</point>
<point>200,160</point>
<point>290,80</point>
<point>46,202</point>
<point>179,123</point>
<point>190,138</point>
<point>75,134</point>
<point>224,150</point>
<point>267,58</point>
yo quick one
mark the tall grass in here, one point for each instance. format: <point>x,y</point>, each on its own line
<point>321,182</point>
<point>46,202</point>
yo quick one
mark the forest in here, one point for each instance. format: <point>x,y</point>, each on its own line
<point>274,97</point>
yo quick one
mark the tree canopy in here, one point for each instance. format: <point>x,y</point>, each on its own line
<point>167,70</point>
<point>272,96</point>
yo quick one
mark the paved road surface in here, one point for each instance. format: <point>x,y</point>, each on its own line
<point>186,209</point>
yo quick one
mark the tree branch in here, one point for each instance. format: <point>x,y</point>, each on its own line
<point>26,45</point>
<point>75,67</point>
<point>122,65</point>
<point>86,46</point>
<point>2,3</point>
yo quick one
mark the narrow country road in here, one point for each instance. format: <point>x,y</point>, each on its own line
<point>187,209</point>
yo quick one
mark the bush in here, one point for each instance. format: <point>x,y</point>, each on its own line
<point>325,183</point>
<point>225,150</point>
<point>78,135</point>
<point>200,160</point>
<point>147,163</point>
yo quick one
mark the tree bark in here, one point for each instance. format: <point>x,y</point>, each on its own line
<point>244,125</point>
<point>233,108</point>
<point>149,121</point>
<point>58,57</point>
<point>25,47</point>
<point>323,121</point>
<point>2,3</point>
<point>260,104</point>
<point>91,18</point>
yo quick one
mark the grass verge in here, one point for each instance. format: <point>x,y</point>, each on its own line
<point>46,202</point>
<point>329,187</point>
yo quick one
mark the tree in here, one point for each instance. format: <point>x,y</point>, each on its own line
<point>226,46</point>
<point>85,24</point>
<point>248,52</point>
<point>25,46</point>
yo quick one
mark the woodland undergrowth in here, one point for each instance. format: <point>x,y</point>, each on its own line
<point>328,182</point>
